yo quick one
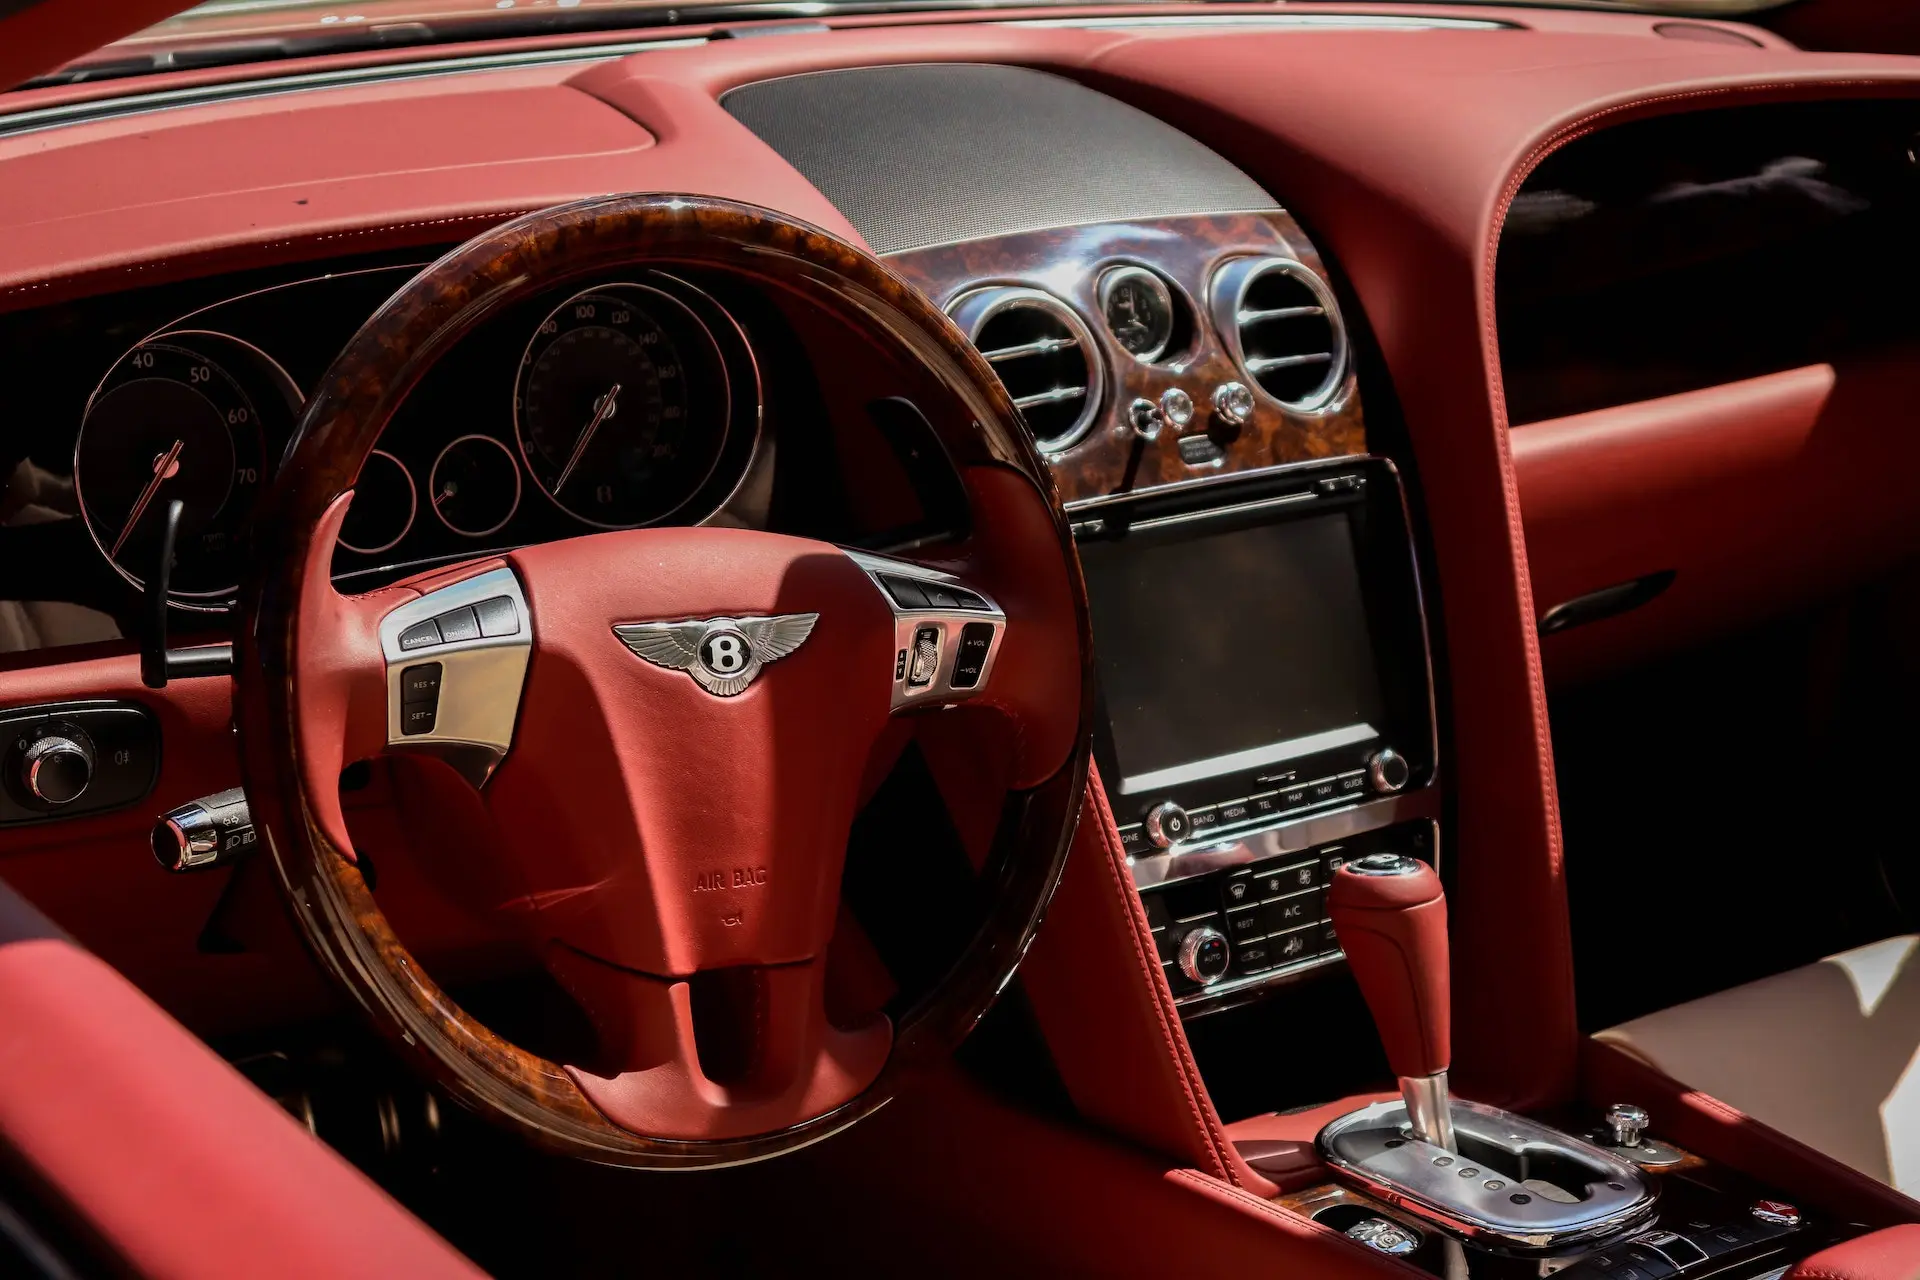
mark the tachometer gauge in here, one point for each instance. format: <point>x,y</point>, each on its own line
<point>475,486</point>
<point>621,406</point>
<point>167,422</point>
<point>1138,309</point>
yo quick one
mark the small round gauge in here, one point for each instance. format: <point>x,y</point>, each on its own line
<point>168,423</point>
<point>383,506</point>
<point>474,486</point>
<point>1138,308</point>
<point>621,406</point>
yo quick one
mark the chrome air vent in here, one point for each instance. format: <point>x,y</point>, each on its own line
<point>1283,326</point>
<point>1045,356</point>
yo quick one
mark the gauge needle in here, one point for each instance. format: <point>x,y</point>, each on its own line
<point>602,410</point>
<point>165,465</point>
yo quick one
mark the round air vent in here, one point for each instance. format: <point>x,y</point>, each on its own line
<point>1283,326</point>
<point>1045,356</point>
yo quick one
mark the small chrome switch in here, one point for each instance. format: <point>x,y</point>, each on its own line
<point>1143,416</point>
<point>1233,403</point>
<point>1176,408</point>
<point>1625,1123</point>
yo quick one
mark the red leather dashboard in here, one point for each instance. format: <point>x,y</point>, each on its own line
<point>1397,150</point>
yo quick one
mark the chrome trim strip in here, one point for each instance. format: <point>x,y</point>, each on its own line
<point>1252,758</point>
<point>35,119</point>
<point>1203,482</point>
<point>1214,513</point>
<point>1321,21</point>
<point>1287,836</point>
<point>1221,995</point>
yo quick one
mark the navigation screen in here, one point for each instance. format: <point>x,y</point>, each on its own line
<point>1231,651</point>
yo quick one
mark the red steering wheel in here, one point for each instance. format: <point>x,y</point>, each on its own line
<point>669,727</point>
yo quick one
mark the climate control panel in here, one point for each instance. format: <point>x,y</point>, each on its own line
<point>1235,928</point>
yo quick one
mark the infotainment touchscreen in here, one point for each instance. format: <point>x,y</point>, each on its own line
<point>1230,652</point>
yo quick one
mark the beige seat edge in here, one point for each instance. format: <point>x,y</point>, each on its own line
<point>1828,1054</point>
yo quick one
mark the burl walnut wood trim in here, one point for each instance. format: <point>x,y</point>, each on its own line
<point>329,896</point>
<point>1068,263</point>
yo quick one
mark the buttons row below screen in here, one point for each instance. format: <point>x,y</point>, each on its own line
<point>1197,823</point>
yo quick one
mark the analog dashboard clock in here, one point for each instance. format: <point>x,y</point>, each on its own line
<point>1137,306</point>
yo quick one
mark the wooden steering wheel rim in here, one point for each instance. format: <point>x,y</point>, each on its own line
<point>331,903</point>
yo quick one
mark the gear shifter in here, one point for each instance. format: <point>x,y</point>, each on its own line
<point>1390,915</point>
<point>1480,1174</point>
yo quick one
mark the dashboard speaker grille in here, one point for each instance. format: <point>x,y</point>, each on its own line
<point>1044,354</point>
<point>936,153</point>
<point>1285,328</point>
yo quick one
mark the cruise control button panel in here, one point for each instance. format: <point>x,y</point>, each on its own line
<point>496,617</point>
<point>456,662</point>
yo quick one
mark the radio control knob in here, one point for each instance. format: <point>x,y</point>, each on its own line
<point>1388,771</point>
<point>1204,956</point>
<point>1233,403</point>
<point>1168,824</point>
<point>56,768</point>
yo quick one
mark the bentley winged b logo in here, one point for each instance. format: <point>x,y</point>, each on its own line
<point>723,654</point>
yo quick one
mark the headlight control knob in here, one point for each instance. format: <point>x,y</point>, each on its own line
<point>57,767</point>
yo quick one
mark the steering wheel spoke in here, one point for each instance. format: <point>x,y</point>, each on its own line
<point>721,1055</point>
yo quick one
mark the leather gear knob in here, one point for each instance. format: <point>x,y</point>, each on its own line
<point>1391,918</point>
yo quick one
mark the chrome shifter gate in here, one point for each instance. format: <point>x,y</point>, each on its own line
<point>1514,1185</point>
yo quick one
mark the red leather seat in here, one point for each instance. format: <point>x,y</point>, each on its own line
<point>174,1161</point>
<point>1828,1054</point>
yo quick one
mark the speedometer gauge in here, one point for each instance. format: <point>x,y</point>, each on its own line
<point>621,406</point>
<point>169,423</point>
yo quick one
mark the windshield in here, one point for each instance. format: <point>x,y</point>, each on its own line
<point>226,32</point>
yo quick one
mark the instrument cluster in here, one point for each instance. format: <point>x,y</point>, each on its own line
<point>629,402</point>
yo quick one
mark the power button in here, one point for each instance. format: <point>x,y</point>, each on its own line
<point>1168,824</point>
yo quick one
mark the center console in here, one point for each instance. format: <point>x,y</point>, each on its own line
<point>1267,744</point>
<point>1268,708</point>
